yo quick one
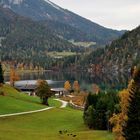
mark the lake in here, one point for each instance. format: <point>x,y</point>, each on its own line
<point>86,80</point>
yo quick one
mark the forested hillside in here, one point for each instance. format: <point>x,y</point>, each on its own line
<point>66,31</point>
<point>119,56</point>
<point>76,27</point>
<point>26,41</point>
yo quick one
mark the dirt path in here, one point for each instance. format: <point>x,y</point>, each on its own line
<point>28,112</point>
<point>64,103</point>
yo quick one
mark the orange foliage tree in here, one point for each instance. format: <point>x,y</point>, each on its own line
<point>13,76</point>
<point>67,86</point>
<point>76,86</point>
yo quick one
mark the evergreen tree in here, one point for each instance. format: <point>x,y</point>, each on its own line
<point>99,108</point>
<point>131,130</point>
<point>1,75</point>
<point>89,118</point>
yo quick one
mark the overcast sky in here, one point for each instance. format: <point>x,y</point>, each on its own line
<point>116,14</point>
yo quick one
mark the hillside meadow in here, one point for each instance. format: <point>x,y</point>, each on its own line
<point>54,124</point>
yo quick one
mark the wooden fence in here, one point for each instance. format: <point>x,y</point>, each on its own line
<point>71,104</point>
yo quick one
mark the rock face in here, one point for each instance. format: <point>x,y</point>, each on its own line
<point>40,10</point>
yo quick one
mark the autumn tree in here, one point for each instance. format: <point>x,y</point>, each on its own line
<point>131,129</point>
<point>13,76</point>
<point>43,90</point>
<point>126,123</point>
<point>1,75</point>
<point>67,86</point>
<point>76,86</point>
<point>118,120</point>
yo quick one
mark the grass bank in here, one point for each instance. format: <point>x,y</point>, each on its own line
<point>15,101</point>
<point>54,124</point>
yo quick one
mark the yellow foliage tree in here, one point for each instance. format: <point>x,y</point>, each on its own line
<point>119,120</point>
<point>76,86</point>
<point>13,76</point>
<point>67,85</point>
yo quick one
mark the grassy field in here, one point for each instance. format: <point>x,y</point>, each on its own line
<point>15,101</point>
<point>46,126</point>
<point>61,54</point>
<point>84,44</point>
<point>43,125</point>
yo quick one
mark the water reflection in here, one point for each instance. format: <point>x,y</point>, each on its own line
<point>118,81</point>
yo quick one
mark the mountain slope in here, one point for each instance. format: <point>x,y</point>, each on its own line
<point>120,56</point>
<point>24,40</point>
<point>66,31</point>
<point>46,10</point>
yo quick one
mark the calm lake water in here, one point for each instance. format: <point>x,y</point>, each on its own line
<point>86,80</point>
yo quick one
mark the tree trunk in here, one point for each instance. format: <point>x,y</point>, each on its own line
<point>45,101</point>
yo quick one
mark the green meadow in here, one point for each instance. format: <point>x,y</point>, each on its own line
<point>54,124</point>
<point>55,54</point>
<point>15,101</point>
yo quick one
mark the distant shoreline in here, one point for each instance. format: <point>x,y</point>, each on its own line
<point>26,71</point>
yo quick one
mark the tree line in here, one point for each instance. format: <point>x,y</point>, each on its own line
<point>116,111</point>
